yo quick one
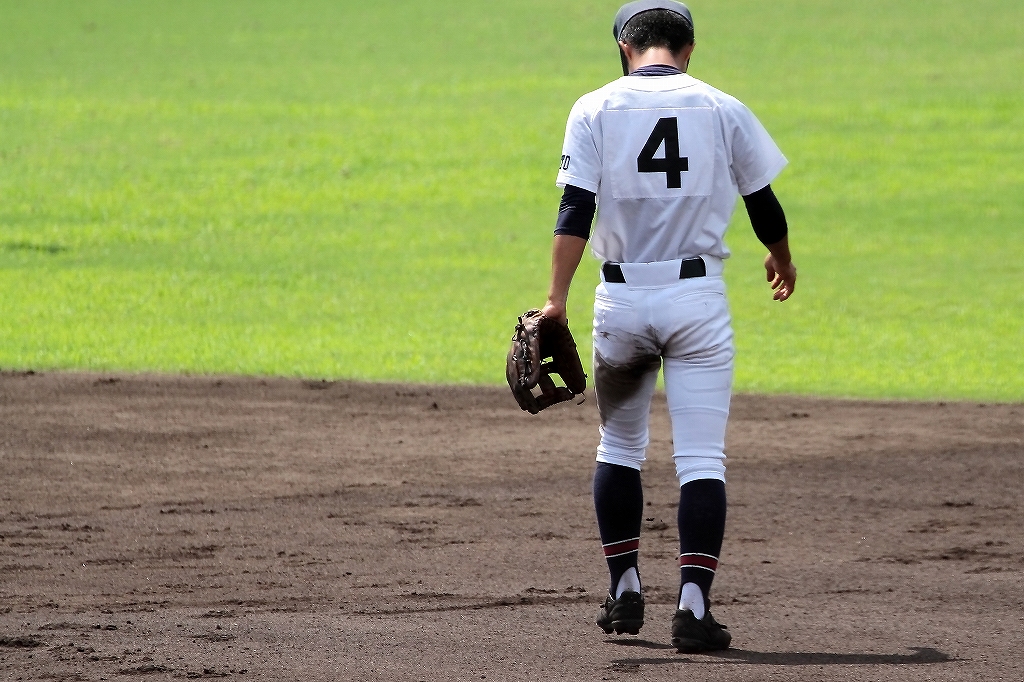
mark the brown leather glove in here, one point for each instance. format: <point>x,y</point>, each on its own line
<point>537,338</point>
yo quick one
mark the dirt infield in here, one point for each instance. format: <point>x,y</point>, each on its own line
<point>169,528</point>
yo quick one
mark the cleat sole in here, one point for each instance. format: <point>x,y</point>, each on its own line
<point>690,646</point>
<point>626,627</point>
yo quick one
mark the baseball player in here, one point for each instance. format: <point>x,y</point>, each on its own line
<point>664,156</point>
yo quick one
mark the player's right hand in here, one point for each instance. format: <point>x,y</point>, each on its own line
<point>781,277</point>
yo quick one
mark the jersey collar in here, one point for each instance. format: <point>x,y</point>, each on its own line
<point>656,70</point>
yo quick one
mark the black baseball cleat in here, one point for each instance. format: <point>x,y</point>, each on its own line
<point>691,636</point>
<point>625,614</point>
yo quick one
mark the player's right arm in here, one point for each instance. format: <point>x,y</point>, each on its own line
<point>779,269</point>
<point>756,161</point>
<point>769,223</point>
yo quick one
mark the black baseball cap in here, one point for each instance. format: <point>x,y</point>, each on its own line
<point>631,9</point>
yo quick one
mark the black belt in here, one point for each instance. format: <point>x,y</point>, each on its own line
<point>691,267</point>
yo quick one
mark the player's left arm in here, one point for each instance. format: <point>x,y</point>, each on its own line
<point>575,215</point>
<point>566,254</point>
<point>769,223</point>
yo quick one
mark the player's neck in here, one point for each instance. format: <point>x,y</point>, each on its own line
<point>659,55</point>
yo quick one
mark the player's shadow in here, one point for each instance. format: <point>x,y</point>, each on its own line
<point>920,656</point>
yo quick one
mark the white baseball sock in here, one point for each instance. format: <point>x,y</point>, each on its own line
<point>630,581</point>
<point>692,599</point>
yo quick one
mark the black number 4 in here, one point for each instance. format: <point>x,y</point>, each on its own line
<point>672,165</point>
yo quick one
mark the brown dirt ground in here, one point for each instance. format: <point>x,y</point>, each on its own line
<point>168,527</point>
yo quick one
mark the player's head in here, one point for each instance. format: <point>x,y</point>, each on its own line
<point>653,23</point>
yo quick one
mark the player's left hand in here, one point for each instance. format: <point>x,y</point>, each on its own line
<point>782,277</point>
<point>555,311</point>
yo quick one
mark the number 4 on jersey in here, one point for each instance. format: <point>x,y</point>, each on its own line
<point>672,165</point>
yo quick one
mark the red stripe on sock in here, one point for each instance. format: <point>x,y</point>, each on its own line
<point>701,560</point>
<point>621,547</point>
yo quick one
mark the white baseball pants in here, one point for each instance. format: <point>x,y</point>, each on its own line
<point>656,317</point>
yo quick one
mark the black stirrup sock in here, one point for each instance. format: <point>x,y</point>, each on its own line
<point>619,502</point>
<point>701,528</point>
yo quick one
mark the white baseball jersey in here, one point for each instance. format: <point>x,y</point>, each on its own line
<point>666,157</point>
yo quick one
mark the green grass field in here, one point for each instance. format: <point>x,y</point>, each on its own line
<point>334,189</point>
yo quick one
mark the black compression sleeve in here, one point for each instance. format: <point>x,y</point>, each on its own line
<point>766,215</point>
<point>576,212</point>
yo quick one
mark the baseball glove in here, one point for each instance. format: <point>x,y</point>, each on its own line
<point>537,338</point>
